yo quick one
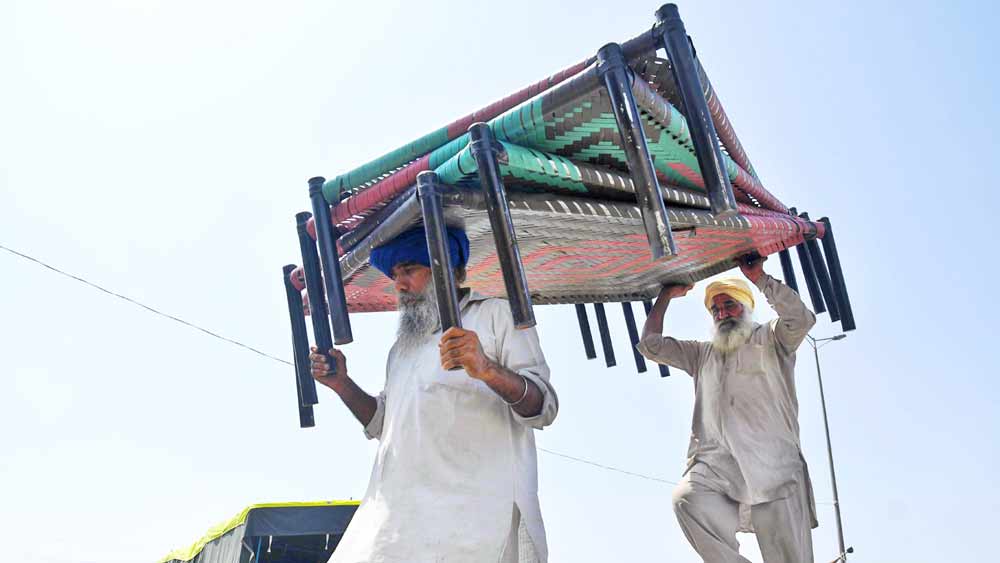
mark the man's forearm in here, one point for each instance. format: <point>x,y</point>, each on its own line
<point>654,321</point>
<point>514,388</point>
<point>361,404</point>
<point>794,318</point>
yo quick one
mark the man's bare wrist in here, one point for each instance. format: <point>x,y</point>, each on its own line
<point>339,384</point>
<point>490,372</point>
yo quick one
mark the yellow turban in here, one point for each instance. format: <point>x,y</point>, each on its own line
<point>736,288</point>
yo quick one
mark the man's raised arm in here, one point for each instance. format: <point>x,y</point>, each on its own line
<point>794,318</point>
<point>670,351</point>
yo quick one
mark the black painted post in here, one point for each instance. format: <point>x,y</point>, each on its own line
<point>633,336</point>
<point>675,40</point>
<point>787,269</point>
<point>602,328</point>
<point>837,276</point>
<point>822,275</point>
<point>648,306</point>
<point>588,338</point>
<point>484,149</point>
<point>314,289</point>
<point>327,239</point>
<point>810,276</point>
<point>617,77</point>
<point>437,248</point>
<point>306,417</point>
<point>305,385</point>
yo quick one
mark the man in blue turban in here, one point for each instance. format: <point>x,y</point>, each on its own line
<point>455,476</point>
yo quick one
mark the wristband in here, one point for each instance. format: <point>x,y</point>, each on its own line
<point>523,395</point>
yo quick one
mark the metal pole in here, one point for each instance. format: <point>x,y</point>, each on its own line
<point>437,248</point>
<point>304,383</point>
<point>648,306</point>
<point>327,239</point>
<point>633,336</point>
<point>829,452</point>
<point>307,418</point>
<point>484,149</point>
<point>617,79</point>
<point>602,328</point>
<point>314,289</point>
<point>588,338</point>
<point>787,270</point>
<point>822,275</point>
<point>706,144</point>
<point>837,276</point>
<point>810,275</point>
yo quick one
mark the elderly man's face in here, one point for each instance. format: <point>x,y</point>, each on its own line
<point>725,307</point>
<point>410,278</point>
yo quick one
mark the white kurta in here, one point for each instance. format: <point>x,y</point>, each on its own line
<point>453,459</point>
<point>745,426</point>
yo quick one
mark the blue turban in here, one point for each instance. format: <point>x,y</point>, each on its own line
<point>411,246</point>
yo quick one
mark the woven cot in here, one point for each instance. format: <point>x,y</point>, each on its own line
<point>615,176</point>
<point>572,199</point>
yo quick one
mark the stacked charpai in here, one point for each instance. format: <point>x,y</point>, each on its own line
<point>599,184</point>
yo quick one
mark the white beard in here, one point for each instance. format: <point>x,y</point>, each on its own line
<point>418,318</point>
<point>731,333</point>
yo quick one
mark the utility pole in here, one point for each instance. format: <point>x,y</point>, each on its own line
<point>815,343</point>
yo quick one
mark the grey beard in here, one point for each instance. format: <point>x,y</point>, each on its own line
<point>418,317</point>
<point>731,333</point>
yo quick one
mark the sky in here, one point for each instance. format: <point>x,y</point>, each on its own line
<point>161,149</point>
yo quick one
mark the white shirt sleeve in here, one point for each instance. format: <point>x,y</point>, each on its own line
<point>521,352</point>
<point>373,430</point>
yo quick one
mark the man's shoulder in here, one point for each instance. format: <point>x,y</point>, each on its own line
<point>763,333</point>
<point>487,303</point>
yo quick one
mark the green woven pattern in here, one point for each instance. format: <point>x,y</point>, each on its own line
<point>590,135</point>
<point>526,167</point>
<point>333,189</point>
<point>574,123</point>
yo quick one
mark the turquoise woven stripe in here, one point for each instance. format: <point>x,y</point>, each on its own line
<point>457,168</point>
<point>541,168</point>
<point>450,149</point>
<point>334,188</point>
<point>673,146</point>
<point>522,164</point>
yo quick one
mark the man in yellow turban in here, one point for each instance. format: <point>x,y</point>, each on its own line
<point>745,470</point>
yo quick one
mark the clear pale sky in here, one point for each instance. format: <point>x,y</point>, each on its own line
<point>161,149</point>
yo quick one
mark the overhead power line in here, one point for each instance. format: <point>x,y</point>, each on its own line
<point>275,358</point>
<point>608,467</point>
<point>144,306</point>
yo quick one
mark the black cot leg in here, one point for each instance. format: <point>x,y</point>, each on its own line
<point>706,144</point>
<point>327,239</point>
<point>484,149</point>
<point>437,248</point>
<point>810,276</point>
<point>822,275</point>
<point>837,277</point>
<point>314,289</point>
<point>617,79</point>
<point>787,270</point>
<point>305,385</point>
<point>602,327</point>
<point>307,419</point>
<point>633,336</point>
<point>300,339</point>
<point>588,338</point>
<point>648,306</point>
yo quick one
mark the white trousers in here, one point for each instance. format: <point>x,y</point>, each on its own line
<point>519,548</point>
<point>710,519</point>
